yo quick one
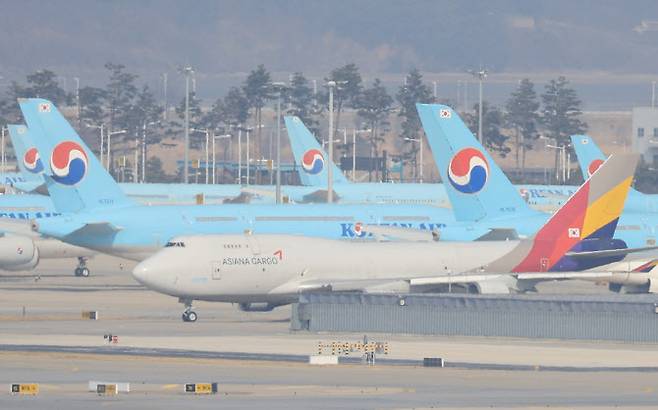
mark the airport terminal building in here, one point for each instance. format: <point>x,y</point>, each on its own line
<point>645,133</point>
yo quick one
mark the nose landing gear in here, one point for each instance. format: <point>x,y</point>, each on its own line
<point>81,269</point>
<point>188,315</point>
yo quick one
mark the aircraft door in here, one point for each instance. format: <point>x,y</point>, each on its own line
<point>253,244</point>
<point>216,270</point>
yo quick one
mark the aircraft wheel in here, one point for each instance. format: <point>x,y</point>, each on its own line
<point>191,316</point>
<point>77,272</point>
<point>84,272</point>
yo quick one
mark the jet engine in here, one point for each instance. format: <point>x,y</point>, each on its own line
<point>18,253</point>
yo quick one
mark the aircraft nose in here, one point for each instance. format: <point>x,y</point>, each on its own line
<point>143,272</point>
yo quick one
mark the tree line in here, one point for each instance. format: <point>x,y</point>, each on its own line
<point>123,104</point>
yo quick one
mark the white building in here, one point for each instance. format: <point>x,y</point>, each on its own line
<point>645,133</point>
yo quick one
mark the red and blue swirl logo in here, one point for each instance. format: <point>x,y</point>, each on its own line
<point>593,166</point>
<point>32,161</point>
<point>313,161</point>
<point>468,171</point>
<point>68,163</point>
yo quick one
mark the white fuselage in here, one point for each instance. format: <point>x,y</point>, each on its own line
<point>275,268</point>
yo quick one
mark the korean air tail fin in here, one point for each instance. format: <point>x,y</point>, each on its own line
<point>27,157</point>
<point>311,159</point>
<point>584,225</point>
<point>75,179</point>
<point>590,156</point>
<point>478,189</point>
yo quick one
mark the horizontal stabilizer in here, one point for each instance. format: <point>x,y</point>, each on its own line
<point>500,234</point>
<point>609,252</point>
<point>97,228</point>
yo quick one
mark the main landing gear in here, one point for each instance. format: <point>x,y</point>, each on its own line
<point>188,315</point>
<point>81,269</point>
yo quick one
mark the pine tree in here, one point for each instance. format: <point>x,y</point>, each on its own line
<point>258,90</point>
<point>560,113</point>
<point>346,92</point>
<point>492,119</point>
<point>302,103</point>
<point>522,117</point>
<point>413,91</point>
<point>374,106</point>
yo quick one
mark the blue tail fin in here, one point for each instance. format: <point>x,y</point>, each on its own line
<point>478,189</point>
<point>75,179</point>
<point>590,156</point>
<point>27,157</point>
<point>311,159</point>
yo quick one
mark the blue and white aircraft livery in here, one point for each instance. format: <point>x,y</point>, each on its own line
<point>481,193</point>
<point>590,158</point>
<point>99,216</point>
<point>310,156</point>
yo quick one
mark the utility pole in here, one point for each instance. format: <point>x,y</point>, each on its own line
<point>188,71</point>
<point>330,171</point>
<point>248,158</point>
<point>279,87</point>
<point>164,95</point>
<point>77,99</point>
<point>480,76</point>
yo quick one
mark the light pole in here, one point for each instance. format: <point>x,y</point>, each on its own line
<point>280,87</point>
<point>101,148</point>
<point>208,133</point>
<point>2,154</point>
<point>420,141</point>
<point>216,137</point>
<point>144,148</point>
<point>188,71</point>
<point>354,132</point>
<point>480,76</point>
<point>330,170</point>
<point>240,154</point>
<point>109,146</point>
<point>77,98</point>
<point>563,160</point>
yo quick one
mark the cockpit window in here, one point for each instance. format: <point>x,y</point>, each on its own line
<point>175,244</point>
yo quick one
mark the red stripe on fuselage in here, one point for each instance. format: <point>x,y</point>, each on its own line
<point>553,241</point>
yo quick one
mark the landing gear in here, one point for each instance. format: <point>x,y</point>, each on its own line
<point>81,269</point>
<point>188,315</point>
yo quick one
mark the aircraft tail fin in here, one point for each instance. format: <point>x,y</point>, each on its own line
<point>75,178</point>
<point>27,157</point>
<point>590,156</point>
<point>311,159</point>
<point>586,222</point>
<point>478,189</point>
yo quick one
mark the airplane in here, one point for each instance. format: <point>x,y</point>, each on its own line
<point>590,157</point>
<point>31,167</point>
<point>480,192</point>
<point>106,220</point>
<point>271,270</point>
<point>314,162</point>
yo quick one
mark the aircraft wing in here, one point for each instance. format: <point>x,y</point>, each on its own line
<point>97,228</point>
<point>31,187</point>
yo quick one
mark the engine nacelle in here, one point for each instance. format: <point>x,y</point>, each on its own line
<point>18,253</point>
